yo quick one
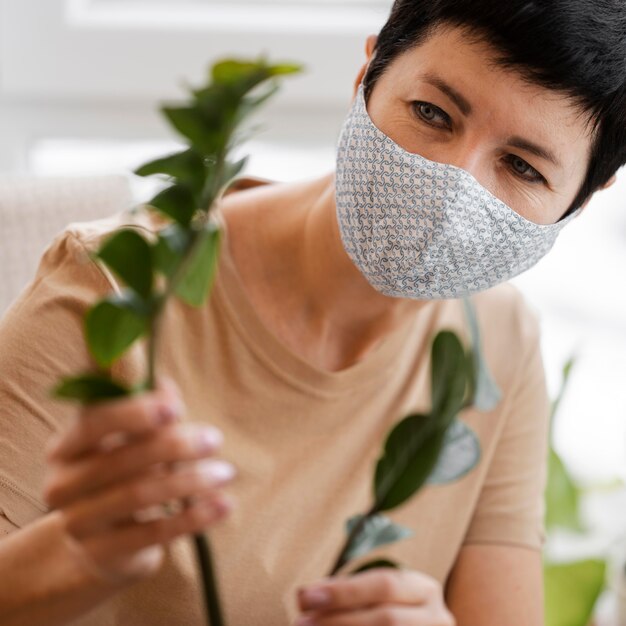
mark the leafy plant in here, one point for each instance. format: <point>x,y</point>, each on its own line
<point>183,259</point>
<point>423,449</point>
<point>571,589</point>
<point>562,494</point>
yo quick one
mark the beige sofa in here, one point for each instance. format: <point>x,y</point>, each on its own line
<point>34,209</point>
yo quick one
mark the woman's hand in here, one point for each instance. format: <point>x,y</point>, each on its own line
<point>116,466</point>
<point>376,597</point>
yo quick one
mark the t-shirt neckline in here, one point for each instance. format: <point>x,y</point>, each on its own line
<point>376,365</point>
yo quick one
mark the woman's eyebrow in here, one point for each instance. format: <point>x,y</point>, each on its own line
<point>533,148</point>
<point>466,108</point>
<point>451,92</point>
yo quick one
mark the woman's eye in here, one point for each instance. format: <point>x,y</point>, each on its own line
<point>432,114</point>
<point>524,170</point>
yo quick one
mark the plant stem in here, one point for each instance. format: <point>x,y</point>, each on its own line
<point>152,348</point>
<point>342,558</point>
<point>212,607</point>
<point>209,588</point>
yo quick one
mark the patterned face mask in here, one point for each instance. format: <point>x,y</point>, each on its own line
<point>425,230</point>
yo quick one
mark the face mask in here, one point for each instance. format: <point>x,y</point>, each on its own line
<point>425,230</point>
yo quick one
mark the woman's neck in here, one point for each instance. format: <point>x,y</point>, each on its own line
<point>288,249</point>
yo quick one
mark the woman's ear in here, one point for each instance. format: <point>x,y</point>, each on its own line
<point>610,182</point>
<point>370,43</point>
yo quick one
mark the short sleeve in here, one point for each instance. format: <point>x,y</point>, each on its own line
<point>41,340</point>
<point>511,504</point>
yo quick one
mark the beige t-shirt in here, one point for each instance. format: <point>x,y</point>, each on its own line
<point>304,440</point>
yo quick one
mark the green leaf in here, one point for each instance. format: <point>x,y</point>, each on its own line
<point>240,75</point>
<point>217,105</point>
<point>129,255</point>
<point>197,280</point>
<point>562,497</point>
<point>186,167</point>
<point>111,326</point>
<point>286,68</point>
<point>448,377</point>
<point>172,244</point>
<point>374,564</point>
<point>410,453</point>
<point>486,394</point>
<point>571,591</point>
<point>176,202</point>
<point>459,455</point>
<point>204,134</point>
<point>378,530</point>
<point>90,388</point>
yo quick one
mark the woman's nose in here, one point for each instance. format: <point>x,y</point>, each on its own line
<point>467,155</point>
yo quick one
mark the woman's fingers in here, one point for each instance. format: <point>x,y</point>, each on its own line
<point>127,477</point>
<point>138,415</point>
<point>195,480</point>
<point>133,550</point>
<point>397,615</point>
<point>376,596</point>
<point>170,444</point>
<point>376,586</point>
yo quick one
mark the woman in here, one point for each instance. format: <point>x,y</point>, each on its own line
<point>315,341</point>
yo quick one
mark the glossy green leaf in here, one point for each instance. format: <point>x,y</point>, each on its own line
<point>242,75</point>
<point>129,255</point>
<point>562,497</point>
<point>217,104</point>
<point>197,281</point>
<point>460,454</point>
<point>375,564</point>
<point>111,326</point>
<point>239,75</point>
<point>486,394</point>
<point>448,377</point>
<point>90,388</point>
<point>410,454</point>
<point>172,244</point>
<point>378,530</point>
<point>571,591</point>
<point>282,69</point>
<point>176,202</point>
<point>192,123</point>
<point>186,167</point>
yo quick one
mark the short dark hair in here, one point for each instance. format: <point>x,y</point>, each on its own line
<point>576,47</point>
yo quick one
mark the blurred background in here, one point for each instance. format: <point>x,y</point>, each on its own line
<point>80,81</point>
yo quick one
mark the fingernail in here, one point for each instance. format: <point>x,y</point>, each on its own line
<point>306,621</point>
<point>217,470</point>
<point>209,439</point>
<point>165,414</point>
<point>314,598</point>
